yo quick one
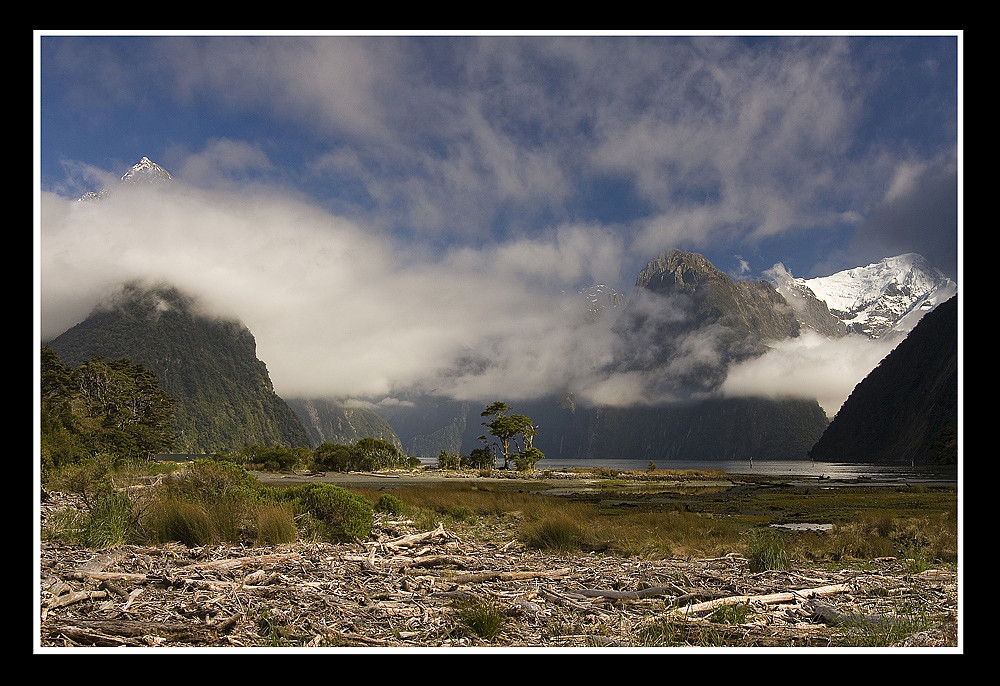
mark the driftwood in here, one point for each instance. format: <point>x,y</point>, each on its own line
<point>405,588</point>
<point>768,599</point>
<point>413,539</point>
<point>98,631</point>
<point>508,576</point>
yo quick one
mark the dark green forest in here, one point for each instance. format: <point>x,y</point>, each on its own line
<point>114,407</point>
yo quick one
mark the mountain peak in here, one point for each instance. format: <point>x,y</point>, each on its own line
<point>146,171</point>
<point>890,294</point>
<point>678,270</point>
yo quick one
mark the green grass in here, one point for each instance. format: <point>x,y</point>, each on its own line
<point>684,520</point>
<point>650,515</point>
<point>765,550</point>
<point>484,617</point>
<point>206,502</point>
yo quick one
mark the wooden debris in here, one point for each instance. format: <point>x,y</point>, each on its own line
<point>768,599</point>
<point>405,588</point>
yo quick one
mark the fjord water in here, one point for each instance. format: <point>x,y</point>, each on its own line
<point>792,468</point>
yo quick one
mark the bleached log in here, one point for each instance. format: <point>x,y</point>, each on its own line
<point>407,541</point>
<point>769,599</point>
<point>75,597</point>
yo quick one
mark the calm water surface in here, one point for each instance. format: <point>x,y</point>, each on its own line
<point>831,470</point>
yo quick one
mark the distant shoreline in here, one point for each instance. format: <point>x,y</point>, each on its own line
<point>555,476</point>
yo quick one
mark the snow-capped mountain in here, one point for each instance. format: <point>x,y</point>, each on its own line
<point>145,172</point>
<point>890,295</point>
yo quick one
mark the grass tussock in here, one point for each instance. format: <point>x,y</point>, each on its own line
<point>485,618</point>
<point>765,550</point>
<point>206,502</point>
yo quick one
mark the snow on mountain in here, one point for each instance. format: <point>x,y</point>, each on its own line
<point>145,172</point>
<point>890,295</point>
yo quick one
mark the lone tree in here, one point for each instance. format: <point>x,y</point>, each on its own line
<point>506,428</point>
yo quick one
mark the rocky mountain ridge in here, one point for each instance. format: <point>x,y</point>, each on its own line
<point>223,393</point>
<point>874,300</point>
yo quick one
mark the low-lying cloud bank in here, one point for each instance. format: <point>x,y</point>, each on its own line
<point>339,310</point>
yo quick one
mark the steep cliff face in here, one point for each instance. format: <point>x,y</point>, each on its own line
<point>686,322</point>
<point>328,421</point>
<point>906,409</point>
<point>223,393</point>
<point>752,310</point>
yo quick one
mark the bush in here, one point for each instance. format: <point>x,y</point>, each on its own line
<point>210,500</point>
<point>339,514</point>
<point>448,460</point>
<point>207,480</point>
<point>87,478</point>
<point>526,460</point>
<point>368,454</point>
<point>389,504</point>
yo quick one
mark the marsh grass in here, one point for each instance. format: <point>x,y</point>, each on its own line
<point>765,550</point>
<point>556,523</point>
<point>559,533</point>
<point>176,519</point>
<point>209,501</point>
<point>917,524</point>
<point>275,524</point>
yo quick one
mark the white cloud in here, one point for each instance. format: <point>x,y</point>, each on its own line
<point>811,367</point>
<point>219,161</point>
<point>336,310</point>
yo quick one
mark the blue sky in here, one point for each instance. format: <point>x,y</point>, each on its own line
<point>523,166</point>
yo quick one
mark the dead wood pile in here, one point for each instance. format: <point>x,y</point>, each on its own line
<point>405,588</point>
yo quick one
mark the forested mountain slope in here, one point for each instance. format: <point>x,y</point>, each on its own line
<point>223,393</point>
<point>906,409</point>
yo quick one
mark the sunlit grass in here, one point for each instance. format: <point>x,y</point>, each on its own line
<point>685,522</point>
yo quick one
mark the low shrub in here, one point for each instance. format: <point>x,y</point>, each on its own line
<point>208,479</point>
<point>336,513</point>
<point>389,504</point>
